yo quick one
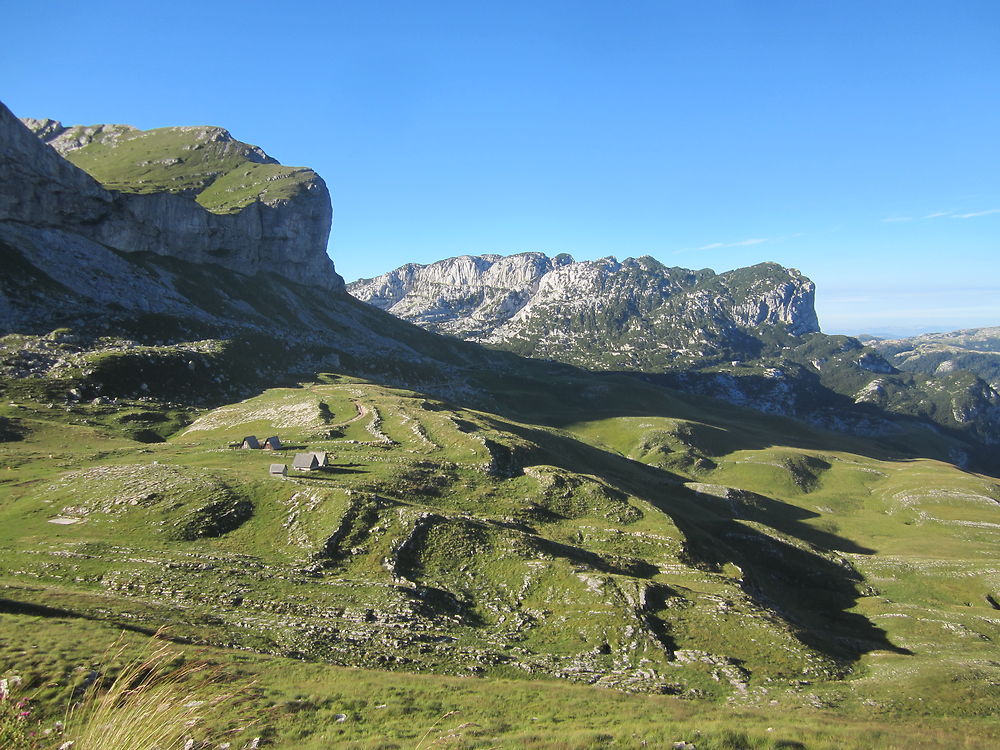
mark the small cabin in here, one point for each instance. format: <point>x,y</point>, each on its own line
<point>305,462</point>
<point>322,458</point>
<point>250,442</point>
<point>272,443</point>
<point>278,470</point>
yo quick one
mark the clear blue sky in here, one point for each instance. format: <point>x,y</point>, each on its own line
<point>858,141</point>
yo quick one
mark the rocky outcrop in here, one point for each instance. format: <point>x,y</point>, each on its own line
<point>602,313</point>
<point>65,140</point>
<point>469,296</point>
<point>41,190</point>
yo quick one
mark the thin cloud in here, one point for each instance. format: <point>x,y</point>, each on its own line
<point>974,214</point>
<point>946,214</point>
<point>741,243</point>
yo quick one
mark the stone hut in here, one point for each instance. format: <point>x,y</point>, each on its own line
<point>273,443</point>
<point>278,470</point>
<point>250,442</point>
<point>322,458</point>
<point>305,462</point>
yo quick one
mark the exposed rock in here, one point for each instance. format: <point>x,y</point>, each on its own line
<point>632,314</point>
<point>43,191</point>
<point>468,296</point>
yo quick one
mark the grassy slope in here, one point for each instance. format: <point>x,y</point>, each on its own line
<point>200,161</point>
<point>297,704</point>
<point>579,529</point>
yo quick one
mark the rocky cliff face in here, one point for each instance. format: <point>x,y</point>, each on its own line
<point>469,296</point>
<point>255,232</point>
<point>636,313</point>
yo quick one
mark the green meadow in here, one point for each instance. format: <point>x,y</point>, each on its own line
<point>625,567</point>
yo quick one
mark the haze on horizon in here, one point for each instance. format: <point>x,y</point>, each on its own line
<point>855,141</point>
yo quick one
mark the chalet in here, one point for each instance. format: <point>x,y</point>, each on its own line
<point>278,470</point>
<point>250,441</point>
<point>272,443</point>
<point>322,458</point>
<point>305,462</point>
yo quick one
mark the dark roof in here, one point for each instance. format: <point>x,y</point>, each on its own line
<point>305,461</point>
<point>273,441</point>
<point>250,440</point>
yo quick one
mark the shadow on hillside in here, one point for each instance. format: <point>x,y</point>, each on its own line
<point>824,421</point>
<point>15,607</point>
<point>634,568</point>
<point>342,469</point>
<point>806,584</point>
<point>813,593</point>
<point>780,516</point>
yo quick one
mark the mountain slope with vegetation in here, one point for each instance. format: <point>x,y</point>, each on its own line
<point>221,173</point>
<point>625,537</point>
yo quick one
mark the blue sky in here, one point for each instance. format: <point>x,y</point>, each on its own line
<point>856,141</point>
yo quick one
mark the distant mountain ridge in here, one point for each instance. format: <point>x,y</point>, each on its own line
<point>633,314</point>
<point>974,349</point>
<point>749,336</point>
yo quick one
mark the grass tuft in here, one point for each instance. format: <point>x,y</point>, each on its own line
<point>155,701</point>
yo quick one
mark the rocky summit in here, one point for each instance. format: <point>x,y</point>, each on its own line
<point>633,314</point>
<point>194,194</point>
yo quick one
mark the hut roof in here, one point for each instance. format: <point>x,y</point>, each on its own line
<point>250,441</point>
<point>278,469</point>
<point>305,462</point>
<point>273,442</point>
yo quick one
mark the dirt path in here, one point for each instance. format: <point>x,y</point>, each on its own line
<point>362,413</point>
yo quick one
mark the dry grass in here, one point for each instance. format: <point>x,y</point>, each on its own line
<point>156,701</point>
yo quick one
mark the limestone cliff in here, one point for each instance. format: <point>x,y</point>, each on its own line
<point>636,313</point>
<point>251,215</point>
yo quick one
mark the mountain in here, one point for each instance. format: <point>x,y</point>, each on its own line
<point>636,314</point>
<point>136,283</point>
<point>748,336</point>
<point>481,514</point>
<point>194,194</point>
<point>975,349</point>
